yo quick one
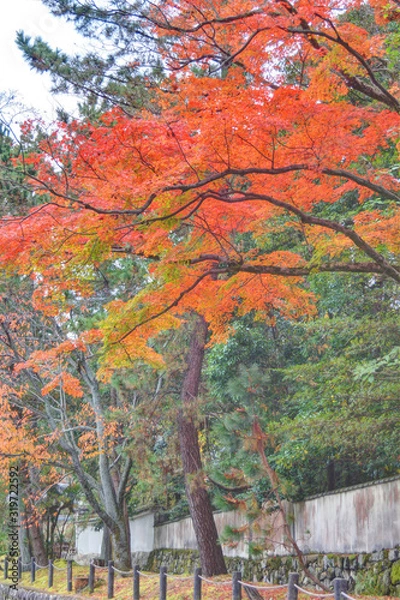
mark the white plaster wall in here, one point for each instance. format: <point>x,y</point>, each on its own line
<point>356,520</point>
<point>88,540</point>
<point>360,519</point>
<point>142,532</point>
<point>176,535</point>
<point>235,520</point>
<point>180,534</point>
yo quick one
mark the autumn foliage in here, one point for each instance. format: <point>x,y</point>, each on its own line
<point>229,190</point>
<point>223,189</point>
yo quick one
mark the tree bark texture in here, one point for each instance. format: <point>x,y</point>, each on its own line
<point>106,551</point>
<point>211,557</point>
<point>120,542</point>
<point>32,523</point>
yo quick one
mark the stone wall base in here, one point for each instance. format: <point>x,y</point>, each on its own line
<point>376,573</point>
<point>7,593</point>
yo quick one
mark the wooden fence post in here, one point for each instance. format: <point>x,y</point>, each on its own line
<point>163,583</point>
<point>91,577</point>
<point>293,592</point>
<point>136,583</point>
<point>236,586</point>
<point>339,586</point>
<point>33,569</point>
<point>110,585</point>
<point>69,575</point>
<point>197,584</point>
<point>51,573</point>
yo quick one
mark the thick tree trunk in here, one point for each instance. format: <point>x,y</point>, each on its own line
<point>120,542</point>
<point>106,550</point>
<point>32,524</point>
<point>36,540</point>
<point>212,560</point>
<point>23,533</point>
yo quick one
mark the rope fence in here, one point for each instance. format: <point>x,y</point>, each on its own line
<point>148,575</point>
<point>312,593</point>
<point>210,581</point>
<point>259,587</point>
<point>123,573</point>
<point>59,568</point>
<point>236,583</point>
<point>347,596</point>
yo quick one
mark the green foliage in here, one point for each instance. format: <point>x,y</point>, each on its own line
<point>15,197</point>
<point>385,367</point>
<point>326,391</point>
<point>395,573</point>
<point>101,79</point>
<point>370,584</point>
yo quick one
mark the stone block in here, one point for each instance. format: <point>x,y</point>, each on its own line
<point>346,563</point>
<point>362,559</point>
<point>393,554</point>
<point>331,572</point>
<point>328,562</point>
<point>377,556</point>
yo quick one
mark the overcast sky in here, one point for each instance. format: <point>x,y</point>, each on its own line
<point>15,75</point>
